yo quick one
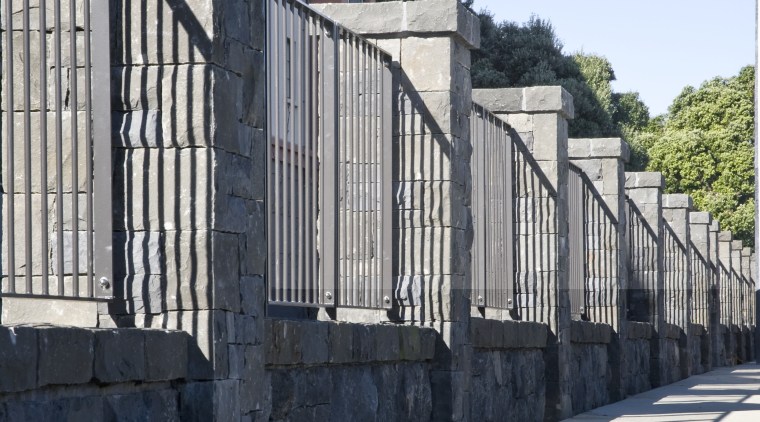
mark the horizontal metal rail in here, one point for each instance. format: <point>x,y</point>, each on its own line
<point>492,252</point>
<point>329,167</point>
<point>56,168</point>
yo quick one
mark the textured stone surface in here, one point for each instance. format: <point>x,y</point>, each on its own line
<point>65,356</point>
<point>590,374</point>
<point>508,383</point>
<point>18,358</point>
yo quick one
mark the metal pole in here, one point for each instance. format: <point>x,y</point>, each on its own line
<point>757,158</point>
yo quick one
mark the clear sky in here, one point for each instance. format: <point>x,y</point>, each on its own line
<point>656,47</point>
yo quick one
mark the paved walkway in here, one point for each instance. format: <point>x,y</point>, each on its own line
<point>726,394</point>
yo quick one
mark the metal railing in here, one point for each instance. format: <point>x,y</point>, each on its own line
<point>736,297</point>
<point>56,149</point>
<point>329,187</point>
<point>702,281</point>
<point>724,276</point>
<point>594,251</point>
<point>676,276</point>
<point>492,252</point>
<point>536,236</point>
<point>642,266</point>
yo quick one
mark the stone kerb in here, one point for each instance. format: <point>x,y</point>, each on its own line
<point>538,117</point>
<point>430,42</point>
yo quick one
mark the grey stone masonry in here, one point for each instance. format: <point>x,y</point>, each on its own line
<point>603,162</point>
<point>703,279</point>
<point>431,153</point>
<point>538,117</point>
<point>646,301</point>
<point>675,212</point>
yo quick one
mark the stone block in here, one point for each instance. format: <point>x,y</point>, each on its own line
<point>387,342</point>
<point>445,17</point>
<point>700,218</point>
<point>677,201</point>
<point>18,359</point>
<point>66,356</point>
<point>165,355</point>
<point>340,342</point>
<point>18,310</point>
<point>145,406</point>
<point>136,129</point>
<point>119,355</point>
<point>549,99</point>
<point>176,187</point>
<point>189,26</point>
<point>207,345</point>
<point>644,180</point>
<point>314,342</point>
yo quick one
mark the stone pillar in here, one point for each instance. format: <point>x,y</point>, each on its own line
<point>718,352</point>
<point>645,295</point>
<point>678,282</point>
<point>430,42</point>
<point>702,277</point>
<point>726,300</point>
<point>189,111</point>
<point>538,117</point>
<point>747,292</point>
<point>603,162</point>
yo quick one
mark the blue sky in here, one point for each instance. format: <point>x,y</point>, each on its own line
<point>655,47</point>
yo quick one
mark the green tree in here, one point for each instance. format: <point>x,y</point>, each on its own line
<point>513,55</point>
<point>705,148</point>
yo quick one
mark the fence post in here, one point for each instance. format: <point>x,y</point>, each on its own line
<point>539,116</point>
<point>702,279</point>
<point>645,256</point>
<point>603,162</point>
<point>675,212</point>
<point>431,174</point>
<point>718,347</point>
<point>726,298</point>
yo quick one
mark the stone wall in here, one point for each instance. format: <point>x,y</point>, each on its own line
<point>189,157</point>
<point>508,370</point>
<point>590,367</point>
<point>66,373</point>
<point>340,371</point>
<point>637,351</point>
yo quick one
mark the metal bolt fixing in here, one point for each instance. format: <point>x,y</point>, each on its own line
<point>104,283</point>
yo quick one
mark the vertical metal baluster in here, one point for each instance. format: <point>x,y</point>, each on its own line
<point>350,296</point>
<point>272,75</point>
<point>312,116</point>
<point>74,107</point>
<point>59,146</point>
<point>280,105</point>
<point>373,202</point>
<point>299,148</point>
<point>386,226</point>
<point>43,148</point>
<point>362,188</point>
<point>89,145</point>
<point>344,151</point>
<point>27,150</point>
<point>10,172</point>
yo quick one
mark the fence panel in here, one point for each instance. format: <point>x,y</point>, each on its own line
<point>724,275</point>
<point>492,252</point>
<point>702,276</point>
<point>329,188</point>
<point>642,266</point>
<point>577,240</point>
<point>594,251</point>
<point>676,277</point>
<point>56,149</point>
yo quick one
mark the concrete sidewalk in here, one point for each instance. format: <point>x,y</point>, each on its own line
<point>726,394</point>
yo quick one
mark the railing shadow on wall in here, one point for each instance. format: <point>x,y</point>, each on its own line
<point>162,78</point>
<point>421,147</point>
<point>676,277</point>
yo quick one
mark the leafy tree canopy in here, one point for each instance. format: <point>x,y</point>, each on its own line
<point>704,147</point>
